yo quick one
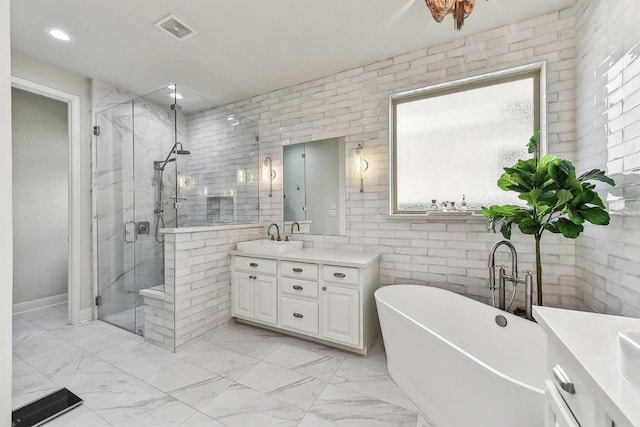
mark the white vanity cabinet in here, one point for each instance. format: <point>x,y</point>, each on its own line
<point>340,304</point>
<point>254,289</point>
<point>584,387</point>
<point>326,296</point>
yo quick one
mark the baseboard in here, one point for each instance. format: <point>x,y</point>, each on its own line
<point>21,307</point>
<point>86,315</point>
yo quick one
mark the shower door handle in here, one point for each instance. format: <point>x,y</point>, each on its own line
<point>135,231</point>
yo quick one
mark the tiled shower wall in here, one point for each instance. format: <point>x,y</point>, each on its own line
<point>608,133</point>
<point>355,104</point>
<point>224,164</point>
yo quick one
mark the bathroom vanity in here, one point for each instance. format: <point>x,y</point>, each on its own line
<point>585,386</point>
<point>323,295</point>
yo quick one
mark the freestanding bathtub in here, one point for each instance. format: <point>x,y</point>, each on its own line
<point>461,369</point>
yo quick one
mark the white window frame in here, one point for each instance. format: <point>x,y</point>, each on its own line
<point>458,86</point>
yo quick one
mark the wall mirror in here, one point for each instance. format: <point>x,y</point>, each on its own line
<point>314,187</point>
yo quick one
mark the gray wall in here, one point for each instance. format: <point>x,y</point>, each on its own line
<point>40,72</point>
<point>40,196</point>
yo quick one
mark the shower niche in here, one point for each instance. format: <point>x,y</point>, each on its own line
<point>170,159</point>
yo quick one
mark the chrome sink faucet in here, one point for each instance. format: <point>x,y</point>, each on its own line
<point>513,278</point>
<point>297,224</point>
<point>277,231</point>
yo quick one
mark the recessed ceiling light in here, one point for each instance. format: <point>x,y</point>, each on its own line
<point>172,87</point>
<point>174,95</point>
<point>59,34</point>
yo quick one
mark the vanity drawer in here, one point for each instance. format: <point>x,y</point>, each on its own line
<point>558,413</point>
<point>299,315</point>
<point>299,287</point>
<point>299,270</point>
<point>335,274</point>
<point>575,392</point>
<point>257,265</point>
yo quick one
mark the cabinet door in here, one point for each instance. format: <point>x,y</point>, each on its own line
<point>266,299</point>
<point>242,295</point>
<point>341,314</point>
<point>558,413</point>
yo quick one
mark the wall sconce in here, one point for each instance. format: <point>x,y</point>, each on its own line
<point>269,174</point>
<point>361,165</point>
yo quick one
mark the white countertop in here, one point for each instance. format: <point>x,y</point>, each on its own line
<point>208,228</point>
<point>592,339</point>
<point>320,256</point>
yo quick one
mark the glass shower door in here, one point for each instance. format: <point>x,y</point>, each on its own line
<point>115,210</point>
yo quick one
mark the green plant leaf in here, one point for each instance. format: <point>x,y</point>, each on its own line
<point>529,226</point>
<point>544,162</point>
<point>597,175</point>
<point>575,216</point>
<point>560,171</point>
<point>552,227</point>
<point>573,182</point>
<point>534,141</point>
<point>583,197</point>
<point>505,182</point>
<point>569,229</point>
<point>505,229</point>
<point>563,196</point>
<point>595,215</point>
<point>532,196</point>
<point>596,199</point>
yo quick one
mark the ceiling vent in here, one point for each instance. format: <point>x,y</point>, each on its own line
<point>179,30</point>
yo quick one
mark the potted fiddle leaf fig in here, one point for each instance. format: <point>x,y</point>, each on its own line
<point>558,201</point>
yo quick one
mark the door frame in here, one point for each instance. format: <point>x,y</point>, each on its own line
<point>74,208</point>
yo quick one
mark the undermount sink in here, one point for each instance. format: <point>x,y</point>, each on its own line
<point>267,246</point>
<point>629,343</point>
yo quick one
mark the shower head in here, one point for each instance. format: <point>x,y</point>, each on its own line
<point>180,151</point>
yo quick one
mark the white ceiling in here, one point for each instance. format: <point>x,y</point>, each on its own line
<point>244,47</point>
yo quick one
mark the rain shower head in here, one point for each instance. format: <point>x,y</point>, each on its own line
<point>178,149</point>
<point>181,151</point>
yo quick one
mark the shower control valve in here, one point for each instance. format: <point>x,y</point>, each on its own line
<point>143,227</point>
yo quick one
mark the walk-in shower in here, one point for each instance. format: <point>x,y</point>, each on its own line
<point>163,165</point>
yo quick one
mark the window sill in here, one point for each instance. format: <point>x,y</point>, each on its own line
<point>439,216</point>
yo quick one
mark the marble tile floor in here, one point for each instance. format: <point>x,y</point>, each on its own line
<point>238,375</point>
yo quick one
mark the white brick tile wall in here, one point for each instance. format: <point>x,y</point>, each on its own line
<point>354,104</point>
<point>203,280</point>
<point>607,94</point>
<point>586,88</point>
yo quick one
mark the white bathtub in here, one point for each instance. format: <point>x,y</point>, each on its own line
<point>447,353</point>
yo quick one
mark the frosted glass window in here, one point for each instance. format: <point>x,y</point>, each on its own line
<point>457,141</point>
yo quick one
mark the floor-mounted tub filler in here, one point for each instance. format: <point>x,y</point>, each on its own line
<point>463,363</point>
